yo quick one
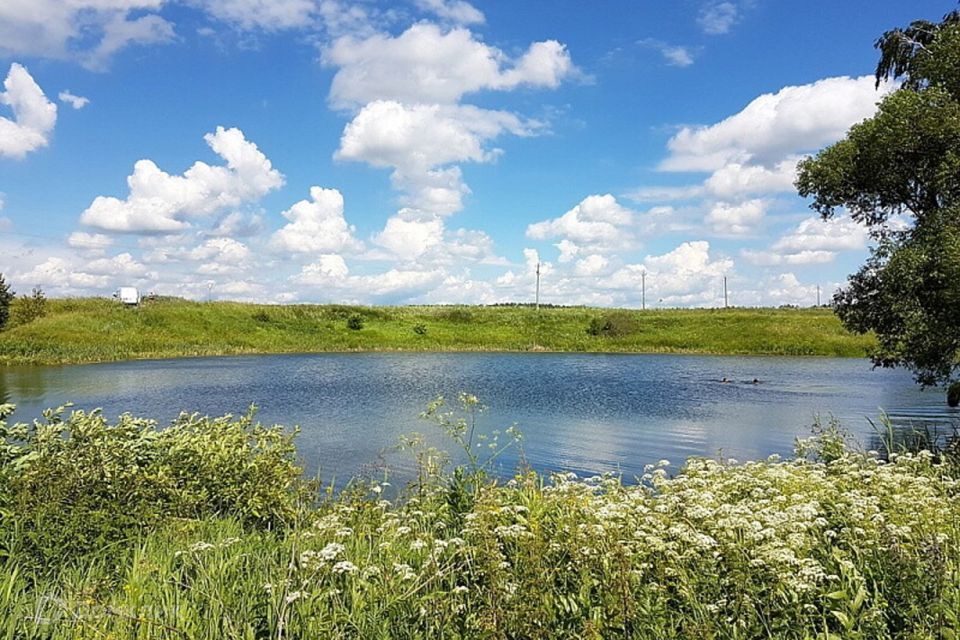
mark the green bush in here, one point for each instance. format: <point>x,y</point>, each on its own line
<point>26,309</point>
<point>261,316</point>
<point>355,322</point>
<point>953,394</point>
<point>614,324</point>
<point>77,482</point>
<point>420,329</point>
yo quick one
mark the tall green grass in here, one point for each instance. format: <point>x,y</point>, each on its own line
<point>94,330</point>
<point>835,543</point>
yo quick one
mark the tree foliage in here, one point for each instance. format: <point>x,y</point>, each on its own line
<point>898,173</point>
<point>6,297</point>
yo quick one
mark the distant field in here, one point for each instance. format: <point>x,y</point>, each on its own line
<point>96,330</point>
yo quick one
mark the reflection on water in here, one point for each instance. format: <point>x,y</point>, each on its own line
<point>586,413</point>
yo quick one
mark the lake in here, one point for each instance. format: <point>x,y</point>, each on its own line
<point>586,413</point>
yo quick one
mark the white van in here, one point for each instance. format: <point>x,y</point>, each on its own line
<point>128,295</point>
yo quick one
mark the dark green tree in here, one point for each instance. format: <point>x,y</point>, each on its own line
<point>898,173</point>
<point>6,297</point>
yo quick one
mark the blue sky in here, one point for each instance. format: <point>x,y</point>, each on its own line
<point>430,151</point>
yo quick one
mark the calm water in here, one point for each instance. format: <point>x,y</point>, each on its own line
<point>585,413</point>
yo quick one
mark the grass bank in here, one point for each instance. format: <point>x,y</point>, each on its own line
<point>200,531</point>
<point>96,330</point>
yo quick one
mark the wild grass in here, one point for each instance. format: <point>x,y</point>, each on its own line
<point>834,543</point>
<point>95,330</point>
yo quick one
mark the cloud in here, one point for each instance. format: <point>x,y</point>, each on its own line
<point>416,139</point>
<point>427,65</point>
<point>409,239</point>
<point>675,55</point>
<point>734,179</point>
<point>598,222</point>
<point>774,125</point>
<point>316,226</point>
<point>592,265</point>
<point>89,241</point>
<point>770,258</point>
<point>119,32</point>
<point>813,241</point>
<point>330,273</point>
<point>736,219</point>
<point>161,203</point>
<point>89,31</point>
<point>836,234</point>
<point>68,275</point>
<point>456,11</point>
<point>718,17</point>
<point>783,288</point>
<point>269,15</point>
<point>34,117</point>
<point>686,276</point>
<point>77,102</point>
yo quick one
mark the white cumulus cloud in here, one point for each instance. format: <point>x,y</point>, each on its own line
<point>774,125</point>
<point>316,226</point>
<point>598,221</point>
<point>737,218</point>
<point>161,203</point>
<point>425,64</point>
<point>34,117</point>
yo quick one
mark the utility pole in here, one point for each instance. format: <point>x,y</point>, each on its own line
<point>818,295</point>
<point>538,287</point>
<point>643,290</point>
<point>724,292</point>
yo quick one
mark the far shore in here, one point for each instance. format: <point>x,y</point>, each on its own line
<point>88,330</point>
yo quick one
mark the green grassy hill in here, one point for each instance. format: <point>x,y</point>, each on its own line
<point>94,330</point>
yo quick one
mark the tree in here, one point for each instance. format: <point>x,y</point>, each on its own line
<point>6,297</point>
<point>898,173</point>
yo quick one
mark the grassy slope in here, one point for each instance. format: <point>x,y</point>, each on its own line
<point>92,330</point>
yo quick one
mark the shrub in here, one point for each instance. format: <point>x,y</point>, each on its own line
<point>6,297</point>
<point>29,308</point>
<point>355,322</point>
<point>76,483</point>
<point>261,316</point>
<point>420,329</point>
<point>612,324</point>
<point>953,394</point>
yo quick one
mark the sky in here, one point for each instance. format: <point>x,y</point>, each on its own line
<point>431,151</point>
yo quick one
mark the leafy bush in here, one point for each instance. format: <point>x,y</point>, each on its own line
<point>261,316</point>
<point>74,483</point>
<point>953,394</point>
<point>614,324</point>
<point>355,322</point>
<point>420,329</point>
<point>29,308</point>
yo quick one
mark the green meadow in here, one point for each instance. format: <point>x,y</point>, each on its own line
<point>99,330</point>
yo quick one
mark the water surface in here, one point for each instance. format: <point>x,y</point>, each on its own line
<point>586,413</point>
